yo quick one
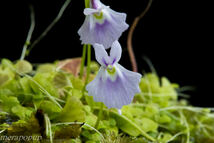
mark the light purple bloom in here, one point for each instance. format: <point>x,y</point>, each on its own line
<point>114,85</point>
<point>102,25</point>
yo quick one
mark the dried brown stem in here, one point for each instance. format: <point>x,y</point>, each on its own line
<point>130,35</point>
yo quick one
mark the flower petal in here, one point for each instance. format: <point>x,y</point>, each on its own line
<point>95,4</point>
<point>110,30</point>
<point>89,11</point>
<point>101,54</point>
<point>109,92</point>
<point>102,30</point>
<point>115,53</point>
<point>117,93</point>
<point>132,78</point>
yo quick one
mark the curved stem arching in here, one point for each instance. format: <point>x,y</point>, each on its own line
<point>130,35</point>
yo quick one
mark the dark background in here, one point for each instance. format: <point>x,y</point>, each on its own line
<point>175,35</point>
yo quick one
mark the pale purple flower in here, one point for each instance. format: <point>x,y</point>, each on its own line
<point>114,85</point>
<point>102,25</point>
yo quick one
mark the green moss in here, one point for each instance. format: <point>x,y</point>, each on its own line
<point>156,115</point>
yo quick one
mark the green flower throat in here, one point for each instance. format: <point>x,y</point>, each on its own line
<point>111,70</point>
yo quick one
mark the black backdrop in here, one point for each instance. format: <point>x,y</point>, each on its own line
<point>175,35</point>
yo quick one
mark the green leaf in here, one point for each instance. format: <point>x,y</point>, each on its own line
<point>46,68</point>
<point>129,126</point>
<point>149,119</point>
<point>150,83</point>
<point>14,86</point>
<point>25,84</point>
<point>3,79</point>
<point>90,136</point>
<point>90,101</point>
<point>147,124</point>
<point>26,95</point>
<point>165,138</point>
<point>164,119</point>
<point>91,119</point>
<point>94,67</point>
<point>72,111</point>
<point>6,92</point>
<point>22,112</point>
<point>77,93</point>
<point>5,63</point>
<point>168,88</point>
<point>77,83</point>
<point>46,81</point>
<point>61,80</point>
<point>25,127</point>
<point>108,126</point>
<point>23,66</point>
<point>50,108</point>
<point>8,102</point>
<point>6,75</point>
<point>67,131</point>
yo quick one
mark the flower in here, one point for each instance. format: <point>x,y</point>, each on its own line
<point>114,85</point>
<point>102,25</point>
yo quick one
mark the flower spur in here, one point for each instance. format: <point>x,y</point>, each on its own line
<point>114,85</point>
<point>102,25</point>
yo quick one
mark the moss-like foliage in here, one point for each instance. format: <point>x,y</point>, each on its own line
<point>52,103</point>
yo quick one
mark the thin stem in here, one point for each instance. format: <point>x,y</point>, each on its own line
<point>87,3</point>
<point>3,113</point>
<point>83,60</point>
<point>48,128</point>
<point>194,109</point>
<point>151,66</point>
<point>53,99</point>
<point>175,136</point>
<point>2,131</point>
<point>30,32</point>
<point>99,116</point>
<point>130,35</point>
<point>186,88</point>
<point>88,64</point>
<point>187,127</point>
<point>53,23</point>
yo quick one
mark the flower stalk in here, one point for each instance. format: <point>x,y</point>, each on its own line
<point>30,32</point>
<point>99,116</point>
<point>83,60</point>
<point>87,3</point>
<point>88,64</point>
